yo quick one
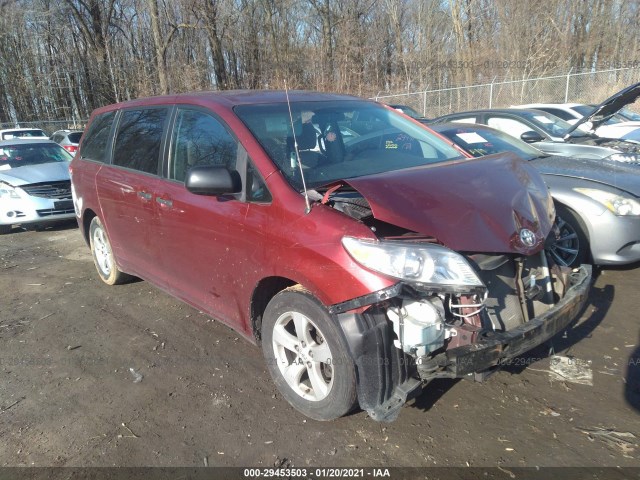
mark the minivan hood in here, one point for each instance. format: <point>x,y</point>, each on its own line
<point>42,172</point>
<point>608,108</point>
<point>472,205</point>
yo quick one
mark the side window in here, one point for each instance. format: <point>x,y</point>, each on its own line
<point>200,139</point>
<point>256,188</point>
<point>510,126</point>
<point>95,142</point>
<point>139,138</point>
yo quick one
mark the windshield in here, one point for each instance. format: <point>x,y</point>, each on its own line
<point>588,109</point>
<point>480,142</point>
<point>552,125</point>
<point>25,154</point>
<point>74,137</point>
<point>340,140</point>
<point>629,114</point>
<point>23,133</point>
<point>583,109</point>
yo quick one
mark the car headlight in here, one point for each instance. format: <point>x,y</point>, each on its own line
<point>426,264</point>
<point>7,191</point>
<point>624,157</point>
<point>616,203</point>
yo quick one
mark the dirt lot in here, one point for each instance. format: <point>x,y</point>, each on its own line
<point>68,396</point>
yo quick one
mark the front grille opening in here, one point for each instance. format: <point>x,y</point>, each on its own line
<point>52,211</point>
<point>57,190</point>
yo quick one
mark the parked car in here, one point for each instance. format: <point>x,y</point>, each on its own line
<point>30,133</point>
<point>68,139</point>
<point>597,203</point>
<point>34,183</point>
<point>549,133</point>
<point>364,267</point>
<point>614,127</point>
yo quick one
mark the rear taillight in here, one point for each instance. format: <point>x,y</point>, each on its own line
<point>70,148</point>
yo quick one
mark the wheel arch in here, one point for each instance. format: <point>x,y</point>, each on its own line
<point>87,217</point>
<point>586,228</point>
<point>264,291</point>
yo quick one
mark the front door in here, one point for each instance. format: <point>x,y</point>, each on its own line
<point>205,243</point>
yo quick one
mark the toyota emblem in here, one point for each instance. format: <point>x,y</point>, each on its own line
<point>527,237</point>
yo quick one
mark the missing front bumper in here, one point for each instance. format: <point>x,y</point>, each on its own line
<point>500,346</point>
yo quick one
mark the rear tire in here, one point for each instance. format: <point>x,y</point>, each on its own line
<point>572,248</point>
<point>307,355</point>
<point>103,257</point>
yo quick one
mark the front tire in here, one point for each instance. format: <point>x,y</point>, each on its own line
<point>307,355</point>
<point>571,248</point>
<point>103,257</point>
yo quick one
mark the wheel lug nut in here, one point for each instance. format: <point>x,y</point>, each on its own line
<point>308,364</point>
<point>303,344</point>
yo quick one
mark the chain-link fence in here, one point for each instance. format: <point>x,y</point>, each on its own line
<point>49,126</point>
<point>585,87</point>
<point>589,88</point>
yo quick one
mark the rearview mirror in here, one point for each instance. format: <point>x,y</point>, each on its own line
<point>212,180</point>
<point>531,137</point>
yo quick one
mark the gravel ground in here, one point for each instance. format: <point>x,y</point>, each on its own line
<point>93,375</point>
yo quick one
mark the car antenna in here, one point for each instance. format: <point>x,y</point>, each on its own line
<point>295,147</point>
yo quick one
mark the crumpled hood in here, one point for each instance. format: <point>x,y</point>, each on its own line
<point>43,172</point>
<point>608,172</point>
<point>474,205</point>
<point>608,108</point>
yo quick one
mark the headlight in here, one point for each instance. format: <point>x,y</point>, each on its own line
<point>428,263</point>
<point>617,204</point>
<point>7,191</point>
<point>624,157</point>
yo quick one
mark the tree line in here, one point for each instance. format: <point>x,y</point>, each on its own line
<point>61,59</point>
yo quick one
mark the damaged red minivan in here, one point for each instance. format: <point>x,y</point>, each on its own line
<point>363,252</point>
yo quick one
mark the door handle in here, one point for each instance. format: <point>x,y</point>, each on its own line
<point>164,202</point>
<point>145,195</point>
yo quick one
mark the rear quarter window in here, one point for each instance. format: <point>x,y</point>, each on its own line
<point>94,146</point>
<point>139,138</point>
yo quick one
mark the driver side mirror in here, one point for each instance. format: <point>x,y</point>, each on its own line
<point>212,180</point>
<point>531,137</point>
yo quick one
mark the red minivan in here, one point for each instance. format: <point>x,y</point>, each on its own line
<point>364,252</point>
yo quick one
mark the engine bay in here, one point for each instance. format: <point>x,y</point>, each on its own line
<point>427,321</point>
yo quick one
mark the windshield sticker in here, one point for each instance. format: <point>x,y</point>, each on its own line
<point>390,145</point>
<point>471,137</point>
<point>542,119</point>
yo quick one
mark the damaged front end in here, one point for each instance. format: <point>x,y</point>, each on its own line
<point>451,314</point>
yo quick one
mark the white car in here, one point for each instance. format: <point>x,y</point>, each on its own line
<point>614,127</point>
<point>35,188</point>
<point>30,133</point>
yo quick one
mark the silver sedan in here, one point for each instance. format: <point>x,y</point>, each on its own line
<point>597,201</point>
<point>34,183</point>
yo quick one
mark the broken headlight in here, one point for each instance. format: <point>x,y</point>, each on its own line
<point>425,264</point>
